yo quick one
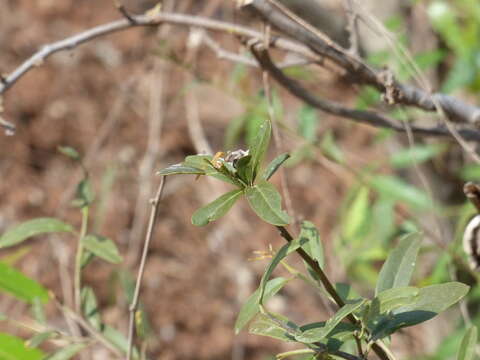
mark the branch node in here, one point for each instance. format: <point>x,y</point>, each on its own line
<point>121,8</point>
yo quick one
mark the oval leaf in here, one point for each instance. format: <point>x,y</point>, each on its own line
<point>14,348</point>
<point>251,306</point>
<point>20,286</point>
<point>266,201</point>
<point>275,326</point>
<point>314,246</point>
<point>467,347</point>
<point>102,247</point>
<point>216,209</point>
<point>31,228</point>
<point>398,268</point>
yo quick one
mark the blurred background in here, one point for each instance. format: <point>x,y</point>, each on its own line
<point>139,100</point>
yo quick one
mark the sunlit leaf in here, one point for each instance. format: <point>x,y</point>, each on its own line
<point>31,228</point>
<point>469,342</point>
<point>266,201</point>
<point>102,247</point>
<point>20,286</point>
<point>356,216</point>
<point>14,348</point>
<point>398,268</point>
<point>216,209</point>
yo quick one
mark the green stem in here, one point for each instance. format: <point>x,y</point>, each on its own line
<point>380,351</point>
<point>78,260</point>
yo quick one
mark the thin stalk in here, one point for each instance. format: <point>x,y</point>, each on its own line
<point>381,351</point>
<point>77,285</point>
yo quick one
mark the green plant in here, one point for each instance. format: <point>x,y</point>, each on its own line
<point>366,322</point>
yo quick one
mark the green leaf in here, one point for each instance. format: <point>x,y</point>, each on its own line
<point>266,201</point>
<point>274,326</point>
<point>20,286</point>
<point>397,297</point>
<point>39,338</point>
<point>279,256</point>
<point>216,209</point>
<point>398,268</point>
<point>259,147</point>
<point>335,338</point>
<point>90,307</point>
<point>69,151</point>
<point>431,301</point>
<point>102,247</point>
<point>308,123</point>
<point>180,169</point>
<point>14,348</point>
<point>142,325</point>
<point>469,342</point>
<point>31,228</point>
<point>356,216</point>
<point>118,340</point>
<point>244,171</point>
<point>330,148</point>
<point>416,154</point>
<point>84,194</point>
<point>398,190</point>
<point>67,352</point>
<point>251,306</point>
<point>274,166</point>
<point>38,311</point>
<point>317,334</point>
<point>314,246</point>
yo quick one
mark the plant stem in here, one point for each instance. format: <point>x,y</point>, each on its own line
<point>77,286</point>
<point>380,351</point>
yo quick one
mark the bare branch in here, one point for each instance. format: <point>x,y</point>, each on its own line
<point>358,71</point>
<point>366,117</point>
<point>146,20</point>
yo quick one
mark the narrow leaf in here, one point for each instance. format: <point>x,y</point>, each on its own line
<point>274,166</point>
<point>67,352</point>
<point>102,247</point>
<point>469,342</point>
<point>90,307</point>
<point>180,169</point>
<point>398,268</point>
<point>314,335</point>
<point>397,189</point>
<point>38,311</point>
<point>31,228</point>
<point>279,256</point>
<point>251,306</point>
<point>20,286</point>
<point>216,209</point>
<point>69,151</point>
<point>259,147</point>
<point>244,169</point>
<point>266,201</point>
<point>314,246</point>
<point>416,154</point>
<point>14,348</point>
<point>39,338</point>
